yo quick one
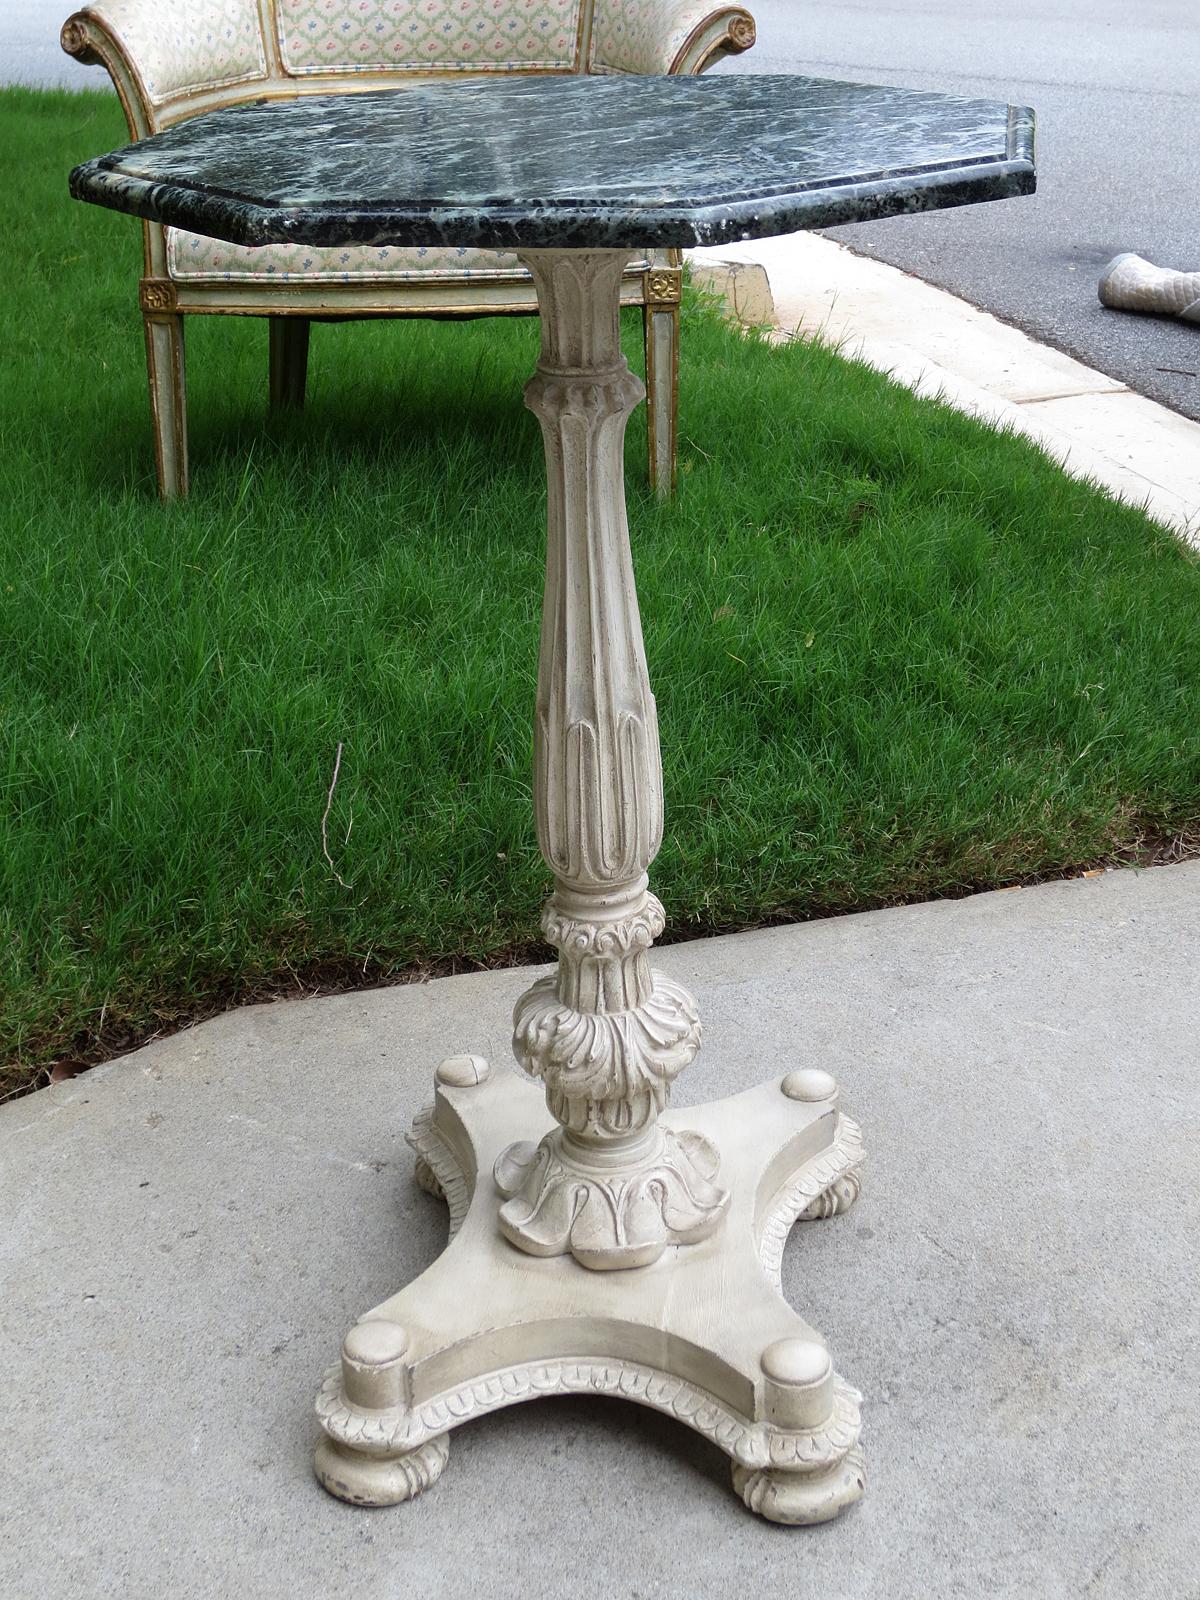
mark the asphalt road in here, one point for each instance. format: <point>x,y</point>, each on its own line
<point>29,48</point>
<point>1116,84</point>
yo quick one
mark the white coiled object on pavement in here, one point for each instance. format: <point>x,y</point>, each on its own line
<point>1131,283</point>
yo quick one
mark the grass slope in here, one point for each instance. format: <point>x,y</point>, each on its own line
<point>896,654</point>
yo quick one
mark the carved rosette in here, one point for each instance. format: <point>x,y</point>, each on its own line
<point>157,294</point>
<point>606,1034</point>
<point>74,39</point>
<point>664,287</point>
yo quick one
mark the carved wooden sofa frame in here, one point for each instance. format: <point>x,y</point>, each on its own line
<point>171,61</point>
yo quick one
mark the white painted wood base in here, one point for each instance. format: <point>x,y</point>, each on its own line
<point>600,1243</point>
<point>704,1334</point>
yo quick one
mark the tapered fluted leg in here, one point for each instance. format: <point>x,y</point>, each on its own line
<point>166,371</point>
<point>662,407</point>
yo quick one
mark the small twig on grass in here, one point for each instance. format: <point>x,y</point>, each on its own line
<point>337,767</point>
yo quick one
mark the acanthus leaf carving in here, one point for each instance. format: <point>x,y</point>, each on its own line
<point>590,1059</point>
<point>620,937</point>
<point>555,1204</point>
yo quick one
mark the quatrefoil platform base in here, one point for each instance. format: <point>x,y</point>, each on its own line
<point>702,1334</point>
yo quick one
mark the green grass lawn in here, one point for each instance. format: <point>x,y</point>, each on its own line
<point>896,655</point>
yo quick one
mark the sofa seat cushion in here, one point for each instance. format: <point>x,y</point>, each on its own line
<point>195,259</point>
<point>428,35</point>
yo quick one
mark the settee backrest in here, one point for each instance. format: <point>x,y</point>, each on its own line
<point>172,59</point>
<point>181,50</point>
<point>428,36</point>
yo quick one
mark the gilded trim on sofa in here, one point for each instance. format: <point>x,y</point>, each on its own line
<point>93,45</point>
<point>157,294</point>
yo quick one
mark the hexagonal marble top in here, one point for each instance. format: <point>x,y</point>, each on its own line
<point>568,162</point>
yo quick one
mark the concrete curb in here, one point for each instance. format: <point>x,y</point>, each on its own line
<point>1094,426</point>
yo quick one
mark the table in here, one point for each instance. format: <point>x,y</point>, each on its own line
<point>600,1243</point>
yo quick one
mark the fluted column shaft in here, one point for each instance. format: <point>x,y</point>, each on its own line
<point>606,1034</point>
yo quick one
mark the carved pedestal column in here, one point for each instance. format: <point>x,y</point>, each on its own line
<point>706,1335</point>
<point>606,1034</point>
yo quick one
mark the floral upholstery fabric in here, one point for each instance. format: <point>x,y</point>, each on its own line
<point>203,43</point>
<point>191,257</point>
<point>428,35</point>
<point>643,35</point>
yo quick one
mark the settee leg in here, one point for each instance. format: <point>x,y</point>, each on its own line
<point>289,362</point>
<point>168,401</point>
<point>662,394</point>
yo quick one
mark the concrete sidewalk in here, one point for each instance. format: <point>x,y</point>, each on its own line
<point>188,1232</point>
<point>1094,426</point>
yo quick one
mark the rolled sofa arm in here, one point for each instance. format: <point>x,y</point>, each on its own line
<point>156,54</point>
<point>676,36</point>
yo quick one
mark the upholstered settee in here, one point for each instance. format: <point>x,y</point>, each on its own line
<point>171,59</point>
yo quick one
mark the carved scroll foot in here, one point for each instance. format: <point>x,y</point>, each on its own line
<point>811,1086</point>
<point>815,1467</point>
<point>427,1179</point>
<point>831,1202</point>
<point>358,1461</point>
<point>364,1480</point>
<point>801,1499</point>
<point>559,1202</point>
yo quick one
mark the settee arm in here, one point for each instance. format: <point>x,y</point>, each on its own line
<point>157,55</point>
<point>676,36</point>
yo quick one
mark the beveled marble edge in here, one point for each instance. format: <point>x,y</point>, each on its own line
<point>244,223</point>
<point>568,224</point>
